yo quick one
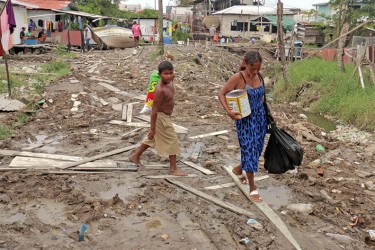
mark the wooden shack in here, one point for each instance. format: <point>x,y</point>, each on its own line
<point>310,34</point>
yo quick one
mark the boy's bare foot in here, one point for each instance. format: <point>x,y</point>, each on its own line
<point>177,172</point>
<point>254,196</point>
<point>238,171</point>
<point>137,162</point>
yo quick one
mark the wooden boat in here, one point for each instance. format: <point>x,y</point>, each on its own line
<point>110,37</point>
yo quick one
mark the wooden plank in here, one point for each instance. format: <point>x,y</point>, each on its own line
<point>198,239</point>
<point>41,163</point>
<point>101,80</point>
<point>178,129</point>
<point>129,112</point>
<point>132,95</point>
<point>198,167</point>
<point>110,87</point>
<point>124,111</point>
<point>10,105</point>
<point>163,176</point>
<point>39,155</point>
<point>215,200</point>
<point>131,133</point>
<point>210,134</point>
<point>196,150</point>
<point>263,206</point>
<point>74,172</point>
<point>130,124</point>
<point>231,184</point>
<point>113,152</point>
<point>12,169</point>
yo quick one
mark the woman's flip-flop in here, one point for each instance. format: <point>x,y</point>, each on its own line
<point>254,196</point>
<point>242,177</point>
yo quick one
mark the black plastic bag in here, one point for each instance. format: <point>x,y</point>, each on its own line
<point>276,161</point>
<point>290,145</point>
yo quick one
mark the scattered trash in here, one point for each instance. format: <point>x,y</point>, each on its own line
<point>372,234</point>
<point>254,224</point>
<point>320,171</point>
<point>320,148</point>
<point>315,163</point>
<point>245,241</point>
<point>302,208</point>
<point>336,191</point>
<point>355,220</point>
<point>82,232</point>
<point>340,238</point>
<point>303,116</point>
<point>165,237</point>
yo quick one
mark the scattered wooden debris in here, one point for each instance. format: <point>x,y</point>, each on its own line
<point>196,151</point>
<point>129,112</point>
<point>231,184</point>
<point>131,133</point>
<point>124,112</point>
<point>168,176</point>
<point>215,200</point>
<point>39,155</point>
<point>74,172</point>
<point>113,152</point>
<point>130,124</point>
<point>210,134</point>
<point>275,219</point>
<point>198,167</point>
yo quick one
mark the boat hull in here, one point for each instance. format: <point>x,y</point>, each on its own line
<point>113,37</point>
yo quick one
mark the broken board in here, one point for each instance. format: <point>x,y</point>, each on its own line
<point>41,163</point>
<point>232,184</point>
<point>163,176</point>
<point>198,167</point>
<point>210,134</point>
<point>263,206</point>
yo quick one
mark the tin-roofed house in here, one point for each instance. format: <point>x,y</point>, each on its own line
<point>248,21</point>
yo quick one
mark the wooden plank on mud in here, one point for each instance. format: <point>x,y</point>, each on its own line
<point>198,239</point>
<point>41,163</point>
<point>131,133</point>
<point>97,157</point>
<point>163,176</point>
<point>130,124</point>
<point>196,150</point>
<point>179,129</point>
<point>74,172</point>
<point>232,184</point>
<point>198,167</point>
<point>129,112</point>
<point>124,111</point>
<point>210,134</point>
<point>39,155</point>
<point>263,206</point>
<point>215,200</point>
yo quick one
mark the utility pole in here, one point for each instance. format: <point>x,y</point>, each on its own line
<point>280,37</point>
<point>160,19</point>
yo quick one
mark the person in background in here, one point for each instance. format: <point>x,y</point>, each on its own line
<point>88,36</point>
<point>252,40</point>
<point>28,33</point>
<point>41,36</point>
<point>23,34</point>
<point>32,25</point>
<point>212,31</point>
<point>136,29</point>
<point>251,130</point>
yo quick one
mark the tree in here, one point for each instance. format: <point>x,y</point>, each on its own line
<point>185,3</point>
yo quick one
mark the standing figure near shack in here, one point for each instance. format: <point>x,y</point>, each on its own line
<point>162,135</point>
<point>23,35</point>
<point>136,29</point>
<point>88,36</point>
<point>212,31</point>
<point>41,36</point>
<point>32,25</point>
<point>251,130</point>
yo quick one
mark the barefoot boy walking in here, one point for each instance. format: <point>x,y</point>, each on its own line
<point>162,135</point>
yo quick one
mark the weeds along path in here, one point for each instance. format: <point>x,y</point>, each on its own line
<point>127,210</point>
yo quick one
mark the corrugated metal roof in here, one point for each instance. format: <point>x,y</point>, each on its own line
<point>50,4</point>
<point>80,13</point>
<point>250,10</point>
<point>15,2</point>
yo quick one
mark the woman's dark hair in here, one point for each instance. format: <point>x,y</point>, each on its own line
<point>252,57</point>
<point>165,65</point>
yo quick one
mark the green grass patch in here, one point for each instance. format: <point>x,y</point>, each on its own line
<point>323,87</point>
<point>57,67</point>
<point>5,132</point>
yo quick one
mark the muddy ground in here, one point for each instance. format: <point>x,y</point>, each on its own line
<point>125,210</point>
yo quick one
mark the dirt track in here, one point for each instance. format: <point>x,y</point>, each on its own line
<point>125,210</point>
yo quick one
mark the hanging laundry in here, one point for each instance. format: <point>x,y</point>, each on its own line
<point>40,23</point>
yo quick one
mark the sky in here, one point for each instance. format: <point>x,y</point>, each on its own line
<point>302,4</point>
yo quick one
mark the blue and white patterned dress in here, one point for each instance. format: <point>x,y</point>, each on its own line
<point>251,130</point>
